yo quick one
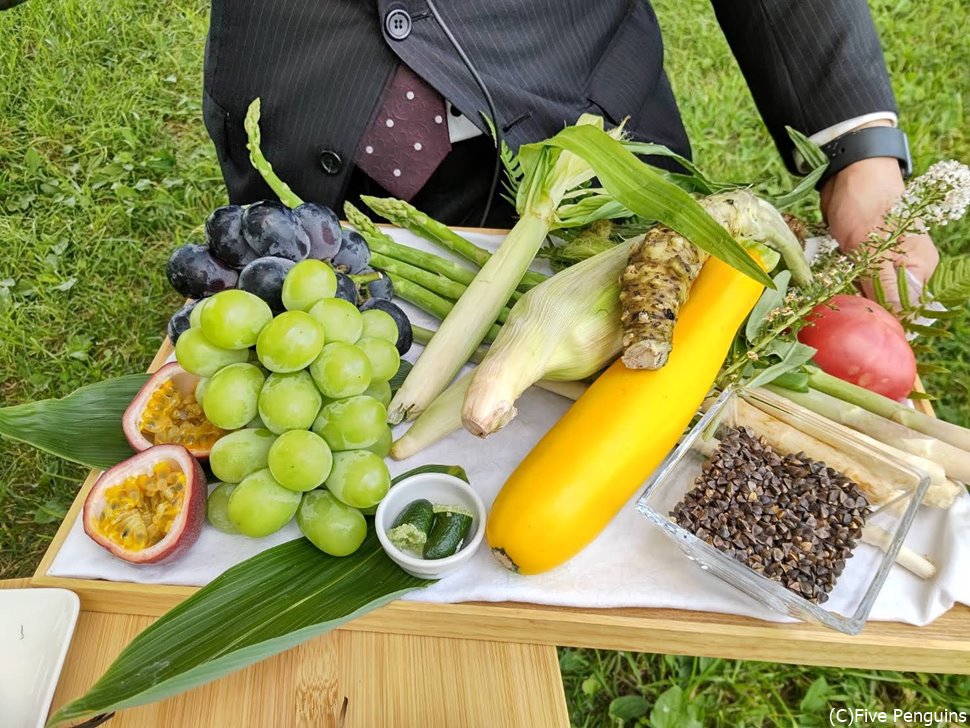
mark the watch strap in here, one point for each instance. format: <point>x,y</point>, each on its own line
<point>867,143</point>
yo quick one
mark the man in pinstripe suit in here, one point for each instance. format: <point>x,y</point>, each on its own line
<point>324,71</point>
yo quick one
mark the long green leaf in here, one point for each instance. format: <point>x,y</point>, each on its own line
<point>256,609</point>
<point>792,357</point>
<point>642,190</point>
<point>811,152</point>
<point>84,427</point>
<point>770,300</point>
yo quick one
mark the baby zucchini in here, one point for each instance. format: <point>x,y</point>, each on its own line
<point>412,526</point>
<point>451,526</point>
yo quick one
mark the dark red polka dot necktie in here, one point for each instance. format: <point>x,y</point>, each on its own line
<point>408,137</point>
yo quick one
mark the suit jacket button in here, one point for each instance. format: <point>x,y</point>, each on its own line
<point>397,24</point>
<point>330,161</point>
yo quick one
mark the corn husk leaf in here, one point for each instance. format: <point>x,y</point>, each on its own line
<point>647,194</point>
<point>83,427</point>
<point>254,610</point>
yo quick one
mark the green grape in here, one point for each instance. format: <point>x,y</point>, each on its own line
<point>240,453</point>
<point>340,319</point>
<point>289,402</point>
<point>368,511</point>
<point>260,506</point>
<point>289,342</point>
<point>306,283</point>
<point>200,387</point>
<point>358,478</point>
<point>217,507</point>
<point>383,357</point>
<point>331,526</point>
<point>195,315</point>
<point>379,390</point>
<point>256,423</point>
<point>352,423</point>
<point>300,460</point>
<point>198,355</point>
<point>233,319</point>
<point>341,370</point>
<point>231,396</point>
<point>382,447</point>
<point>379,325</point>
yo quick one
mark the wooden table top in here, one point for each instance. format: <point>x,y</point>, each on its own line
<point>386,680</point>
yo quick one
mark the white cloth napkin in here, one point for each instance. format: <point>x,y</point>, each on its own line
<point>631,564</point>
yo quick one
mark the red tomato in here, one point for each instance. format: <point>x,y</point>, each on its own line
<point>861,342</point>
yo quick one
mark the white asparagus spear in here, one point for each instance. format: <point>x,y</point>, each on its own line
<point>952,459</point>
<point>941,493</point>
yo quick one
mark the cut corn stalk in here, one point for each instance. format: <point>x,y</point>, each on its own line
<point>564,329</point>
<point>954,435</point>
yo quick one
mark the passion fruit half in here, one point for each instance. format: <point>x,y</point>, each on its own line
<point>150,507</point>
<point>166,412</point>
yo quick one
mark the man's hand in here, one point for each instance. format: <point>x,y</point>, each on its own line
<point>854,202</point>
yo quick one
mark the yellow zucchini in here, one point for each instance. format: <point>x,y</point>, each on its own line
<point>591,462</point>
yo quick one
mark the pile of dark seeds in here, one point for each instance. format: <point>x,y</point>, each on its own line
<point>793,519</point>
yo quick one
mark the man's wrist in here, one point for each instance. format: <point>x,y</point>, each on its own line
<point>875,140</point>
<point>879,176</point>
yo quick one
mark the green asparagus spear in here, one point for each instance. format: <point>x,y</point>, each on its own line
<point>430,302</point>
<point>410,218</point>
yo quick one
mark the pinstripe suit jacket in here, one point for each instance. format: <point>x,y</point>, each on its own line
<point>320,66</point>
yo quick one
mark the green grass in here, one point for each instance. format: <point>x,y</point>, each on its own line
<point>105,166</point>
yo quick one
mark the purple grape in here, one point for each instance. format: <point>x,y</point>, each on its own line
<point>322,227</point>
<point>346,288</point>
<point>264,278</point>
<point>223,232</point>
<point>381,288</point>
<point>354,255</point>
<point>195,273</point>
<point>179,323</point>
<point>272,230</point>
<point>405,334</point>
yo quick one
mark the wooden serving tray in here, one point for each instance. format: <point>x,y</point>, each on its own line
<point>943,646</point>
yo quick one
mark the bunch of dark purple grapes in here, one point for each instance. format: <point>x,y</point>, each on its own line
<point>253,248</point>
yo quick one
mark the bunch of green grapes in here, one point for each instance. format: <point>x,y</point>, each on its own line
<point>304,394</point>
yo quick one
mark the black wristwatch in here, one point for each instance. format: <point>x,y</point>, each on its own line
<point>872,141</point>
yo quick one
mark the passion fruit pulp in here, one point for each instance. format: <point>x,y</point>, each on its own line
<point>148,508</point>
<point>166,412</point>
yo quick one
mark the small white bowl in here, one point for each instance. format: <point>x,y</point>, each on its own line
<point>441,489</point>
